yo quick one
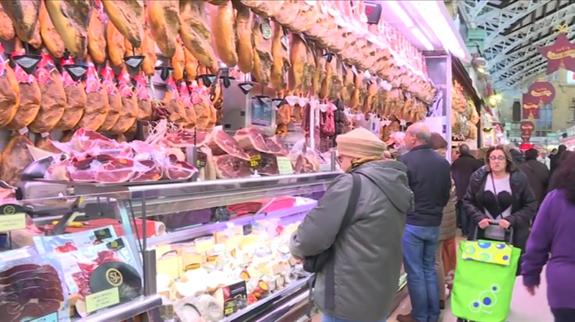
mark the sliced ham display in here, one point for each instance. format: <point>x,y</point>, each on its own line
<point>148,170</point>
<point>251,138</point>
<point>29,291</point>
<point>184,138</point>
<point>71,18</point>
<point>230,167</point>
<point>54,102</point>
<point>222,143</point>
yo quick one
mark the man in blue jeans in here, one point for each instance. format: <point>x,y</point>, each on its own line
<point>430,181</point>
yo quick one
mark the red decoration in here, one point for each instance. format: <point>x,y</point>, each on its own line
<point>544,92</point>
<point>526,128</point>
<point>559,54</point>
<point>530,106</point>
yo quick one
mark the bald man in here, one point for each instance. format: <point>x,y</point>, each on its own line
<point>430,181</point>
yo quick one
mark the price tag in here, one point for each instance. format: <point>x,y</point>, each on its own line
<point>284,166</point>
<point>255,161</point>
<point>52,317</point>
<point>102,299</point>
<point>12,222</point>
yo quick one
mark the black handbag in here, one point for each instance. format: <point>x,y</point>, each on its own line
<point>314,264</point>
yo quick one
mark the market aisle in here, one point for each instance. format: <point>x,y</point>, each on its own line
<point>524,307</point>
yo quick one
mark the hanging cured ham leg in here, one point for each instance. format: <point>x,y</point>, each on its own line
<point>24,16</point>
<point>127,16</point>
<point>223,34</point>
<point>195,33</point>
<point>71,19</point>
<point>164,19</point>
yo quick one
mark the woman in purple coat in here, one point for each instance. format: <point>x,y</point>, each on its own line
<point>552,242</point>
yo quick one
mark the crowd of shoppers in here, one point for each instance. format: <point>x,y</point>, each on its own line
<point>408,211</point>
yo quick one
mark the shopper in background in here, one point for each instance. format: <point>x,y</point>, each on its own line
<point>500,193</point>
<point>430,180</point>
<point>544,158</point>
<point>445,258</point>
<point>551,243</point>
<point>461,171</point>
<point>516,156</point>
<point>556,157</point>
<point>537,174</point>
<point>359,280</point>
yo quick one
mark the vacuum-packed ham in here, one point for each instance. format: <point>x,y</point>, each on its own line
<point>163,17</point>
<point>76,98</point>
<point>15,158</point>
<point>54,101</point>
<point>97,35</point>
<point>243,26</point>
<point>114,99</point>
<point>9,92</point>
<point>223,34</point>
<point>97,104</point>
<point>116,45</point>
<point>195,33</point>
<point>7,32</point>
<point>24,16</point>
<point>129,112</point>
<point>71,18</point>
<point>50,36</point>
<point>128,17</point>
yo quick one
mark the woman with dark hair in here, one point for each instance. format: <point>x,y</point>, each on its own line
<point>499,193</point>
<point>551,242</point>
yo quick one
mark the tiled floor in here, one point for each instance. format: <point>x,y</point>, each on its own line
<point>524,307</point>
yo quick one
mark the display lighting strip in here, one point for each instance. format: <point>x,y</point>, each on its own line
<point>408,22</point>
<point>434,17</point>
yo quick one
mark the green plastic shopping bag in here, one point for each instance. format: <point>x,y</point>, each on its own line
<point>484,280</point>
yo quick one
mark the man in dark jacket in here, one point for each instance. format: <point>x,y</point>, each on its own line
<point>537,174</point>
<point>430,181</point>
<point>556,157</point>
<point>461,171</point>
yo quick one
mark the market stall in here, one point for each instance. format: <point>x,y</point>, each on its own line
<point>157,156</point>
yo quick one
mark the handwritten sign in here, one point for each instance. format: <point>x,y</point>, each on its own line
<point>12,222</point>
<point>102,299</point>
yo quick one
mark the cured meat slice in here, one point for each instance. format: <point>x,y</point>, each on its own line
<point>268,165</point>
<point>195,33</point>
<point>71,18</point>
<point>15,158</point>
<point>275,147</point>
<point>9,92</point>
<point>222,143</point>
<point>24,16</point>
<point>114,99</point>
<point>46,145</point>
<point>6,26</point>
<point>178,62</point>
<point>148,170</point>
<point>178,170</point>
<point>76,98</point>
<point>164,19</point>
<point>145,111</point>
<point>115,171</point>
<point>298,56</point>
<point>223,34</point>
<point>97,35</point>
<point>130,110</point>
<point>116,45</point>
<point>250,138</point>
<point>149,52</point>
<point>261,37</point>
<point>54,102</point>
<point>244,45</point>
<point>230,167</point>
<point>184,138</point>
<point>97,104</point>
<point>127,16</point>
<point>50,36</point>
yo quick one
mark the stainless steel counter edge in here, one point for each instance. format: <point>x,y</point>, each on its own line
<point>126,310</point>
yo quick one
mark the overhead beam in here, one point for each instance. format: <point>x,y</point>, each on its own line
<point>519,82</point>
<point>518,13</point>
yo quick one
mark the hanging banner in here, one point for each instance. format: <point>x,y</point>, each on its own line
<point>530,107</point>
<point>560,54</point>
<point>526,128</point>
<point>544,92</point>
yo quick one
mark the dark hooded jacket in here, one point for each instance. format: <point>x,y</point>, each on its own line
<point>366,264</point>
<point>523,208</point>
